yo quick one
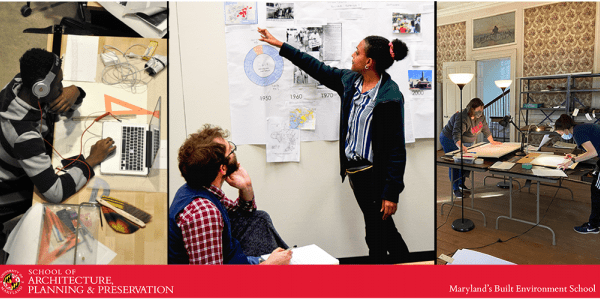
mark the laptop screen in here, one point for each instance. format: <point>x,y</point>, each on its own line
<point>153,136</point>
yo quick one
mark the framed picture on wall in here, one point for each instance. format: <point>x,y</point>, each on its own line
<point>492,31</point>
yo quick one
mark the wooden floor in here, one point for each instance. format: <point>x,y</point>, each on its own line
<point>533,247</point>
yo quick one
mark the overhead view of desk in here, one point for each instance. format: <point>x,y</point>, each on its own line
<point>147,245</point>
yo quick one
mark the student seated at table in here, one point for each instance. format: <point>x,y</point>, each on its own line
<point>29,104</point>
<point>586,136</point>
<point>466,124</point>
<point>206,227</point>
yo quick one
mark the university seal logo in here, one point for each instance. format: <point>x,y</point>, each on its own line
<point>11,282</point>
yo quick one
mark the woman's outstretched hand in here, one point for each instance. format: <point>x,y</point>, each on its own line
<point>267,37</point>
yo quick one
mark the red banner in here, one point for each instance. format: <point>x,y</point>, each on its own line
<point>299,281</point>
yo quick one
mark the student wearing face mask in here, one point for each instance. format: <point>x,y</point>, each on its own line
<point>468,124</point>
<point>586,136</point>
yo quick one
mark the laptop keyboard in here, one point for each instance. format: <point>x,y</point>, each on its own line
<point>132,148</point>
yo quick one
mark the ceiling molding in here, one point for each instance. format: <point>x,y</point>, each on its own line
<point>458,8</point>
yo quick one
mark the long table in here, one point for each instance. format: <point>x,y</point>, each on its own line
<point>516,172</point>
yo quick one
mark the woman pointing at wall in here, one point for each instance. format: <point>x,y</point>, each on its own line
<point>372,150</point>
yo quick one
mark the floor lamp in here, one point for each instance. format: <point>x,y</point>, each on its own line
<point>462,224</point>
<point>503,84</point>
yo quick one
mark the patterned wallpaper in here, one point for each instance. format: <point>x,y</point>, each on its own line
<point>451,45</point>
<point>558,39</point>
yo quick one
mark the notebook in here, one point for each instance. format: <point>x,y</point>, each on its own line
<point>137,146</point>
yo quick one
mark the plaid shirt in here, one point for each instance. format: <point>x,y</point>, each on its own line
<point>202,227</point>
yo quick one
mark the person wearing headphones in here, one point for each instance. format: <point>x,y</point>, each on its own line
<point>587,137</point>
<point>372,148</point>
<point>466,124</point>
<point>29,104</point>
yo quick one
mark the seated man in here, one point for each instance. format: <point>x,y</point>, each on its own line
<point>29,105</point>
<point>200,224</point>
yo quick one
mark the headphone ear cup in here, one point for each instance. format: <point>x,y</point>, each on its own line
<point>40,89</point>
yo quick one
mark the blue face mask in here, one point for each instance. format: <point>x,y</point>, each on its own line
<point>567,136</point>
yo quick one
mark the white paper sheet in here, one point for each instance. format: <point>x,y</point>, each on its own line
<point>470,257</point>
<point>545,139</point>
<point>502,165</point>
<point>310,255</point>
<point>422,113</point>
<point>81,58</point>
<point>283,143</point>
<point>546,172</point>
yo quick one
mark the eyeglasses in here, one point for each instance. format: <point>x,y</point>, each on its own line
<point>233,148</point>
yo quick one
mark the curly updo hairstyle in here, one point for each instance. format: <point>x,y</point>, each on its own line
<point>378,49</point>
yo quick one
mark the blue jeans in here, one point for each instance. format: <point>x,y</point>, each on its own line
<point>455,176</point>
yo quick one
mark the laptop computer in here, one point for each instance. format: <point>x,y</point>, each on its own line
<point>137,146</point>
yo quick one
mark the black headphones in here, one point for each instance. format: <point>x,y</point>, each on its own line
<point>41,88</point>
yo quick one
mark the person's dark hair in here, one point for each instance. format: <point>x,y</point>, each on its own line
<point>200,157</point>
<point>378,49</point>
<point>35,65</point>
<point>564,122</point>
<point>473,104</point>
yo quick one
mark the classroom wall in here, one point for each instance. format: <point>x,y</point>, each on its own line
<point>307,200</point>
<point>551,38</point>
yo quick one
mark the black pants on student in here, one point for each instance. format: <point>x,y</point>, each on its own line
<point>595,214</point>
<point>382,237</point>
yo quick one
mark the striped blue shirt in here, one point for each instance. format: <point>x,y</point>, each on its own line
<point>358,139</point>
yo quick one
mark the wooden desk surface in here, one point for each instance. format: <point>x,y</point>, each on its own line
<point>147,245</point>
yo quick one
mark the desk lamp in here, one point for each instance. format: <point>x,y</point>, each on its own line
<point>462,224</point>
<point>504,123</point>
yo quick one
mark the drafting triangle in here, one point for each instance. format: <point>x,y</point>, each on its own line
<point>133,110</point>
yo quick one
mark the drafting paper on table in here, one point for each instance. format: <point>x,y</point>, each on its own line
<point>502,165</point>
<point>470,257</point>
<point>495,151</point>
<point>550,160</point>
<point>303,118</point>
<point>310,255</point>
<point>283,143</point>
<point>545,172</point>
<point>81,58</point>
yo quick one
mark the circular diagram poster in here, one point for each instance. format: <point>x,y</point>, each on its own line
<point>263,65</point>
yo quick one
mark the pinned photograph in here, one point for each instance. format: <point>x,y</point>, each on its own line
<point>419,81</point>
<point>280,11</point>
<point>406,23</point>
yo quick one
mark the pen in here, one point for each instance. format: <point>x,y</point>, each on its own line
<point>290,248</point>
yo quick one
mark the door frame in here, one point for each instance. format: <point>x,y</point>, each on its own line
<point>512,54</point>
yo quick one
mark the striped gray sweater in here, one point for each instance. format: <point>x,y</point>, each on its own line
<point>23,150</point>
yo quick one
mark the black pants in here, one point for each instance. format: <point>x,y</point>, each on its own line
<point>255,232</point>
<point>382,237</point>
<point>595,215</point>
